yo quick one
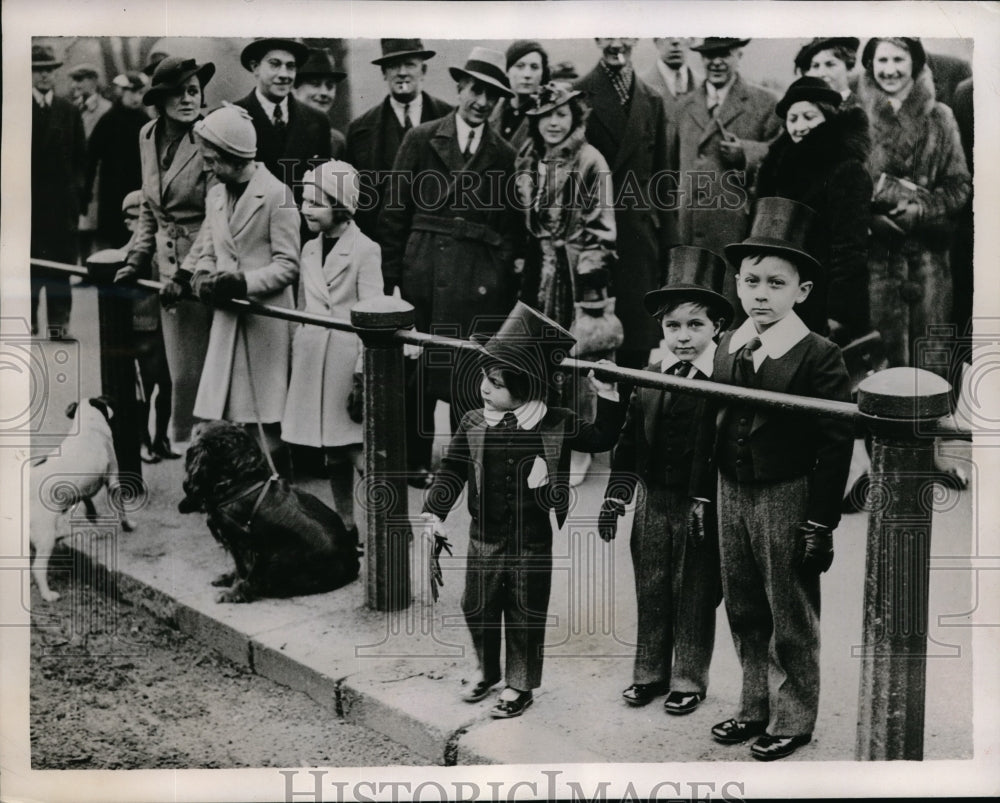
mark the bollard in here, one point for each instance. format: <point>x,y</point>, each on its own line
<point>900,405</point>
<point>389,533</point>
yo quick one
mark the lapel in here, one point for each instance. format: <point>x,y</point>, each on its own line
<point>735,103</point>
<point>339,258</point>
<point>444,141</point>
<point>632,136</point>
<point>249,203</point>
<point>151,174</point>
<point>485,156</point>
<point>608,109</point>
<point>650,400</point>
<point>696,107</point>
<point>186,151</point>
<point>477,440</point>
<point>223,236</point>
<point>552,429</point>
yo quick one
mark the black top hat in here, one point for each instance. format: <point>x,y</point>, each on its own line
<point>528,342</point>
<point>172,72</point>
<point>914,45</point>
<point>713,44</point>
<point>780,226</point>
<point>487,66</point>
<point>319,64</point>
<point>814,90</point>
<point>692,275</point>
<point>803,59</point>
<point>402,48</point>
<point>259,48</point>
<point>44,56</point>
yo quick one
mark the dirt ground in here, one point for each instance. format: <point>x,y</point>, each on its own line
<point>114,688</point>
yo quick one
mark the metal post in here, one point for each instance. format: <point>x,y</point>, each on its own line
<point>901,405</point>
<point>389,533</point>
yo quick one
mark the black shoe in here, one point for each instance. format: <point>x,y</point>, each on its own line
<point>733,731</point>
<point>769,748</point>
<point>420,478</point>
<point>682,702</point>
<point>480,691</point>
<point>161,447</point>
<point>146,454</point>
<point>505,709</point>
<point>643,693</point>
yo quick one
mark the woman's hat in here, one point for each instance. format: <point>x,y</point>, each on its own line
<point>44,56</point>
<point>814,90</point>
<point>527,341</point>
<point>230,129</point>
<point>319,64</point>
<point>393,49</point>
<point>487,66</point>
<point>914,45</point>
<point>803,59</point>
<point>780,226</point>
<point>259,48</point>
<point>172,73</point>
<point>339,181</point>
<point>551,96</point>
<point>693,274</point>
<point>521,48</point>
<point>714,44</point>
<point>129,80</point>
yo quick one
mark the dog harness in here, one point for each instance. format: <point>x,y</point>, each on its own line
<point>263,487</point>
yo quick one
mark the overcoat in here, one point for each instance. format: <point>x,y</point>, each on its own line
<point>324,360</point>
<point>519,135</point>
<point>58,151</point>
<point>654,79</point>
<point>113,158</point>
<point>92,113</point>
<point>260,240</point>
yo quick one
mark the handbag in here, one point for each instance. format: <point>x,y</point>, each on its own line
<point>598,331</point>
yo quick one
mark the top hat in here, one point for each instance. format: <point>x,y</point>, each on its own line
<point>803,59</point>
<point>780,226</point>
<point>551,96</point>
<point>527,341</point>
<point>319,64</point>
<point>44,56</point>
<point>487,66</point>
<point>692,275</point>
<point>172,72</point>
<point>814,90</point>
<point>259,48</point>
<point>400,49</point>
<point>714,44</point>
<point>914,45</point>
<point>229,128</point>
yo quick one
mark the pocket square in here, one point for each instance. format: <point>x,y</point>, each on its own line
<point>539,475</point>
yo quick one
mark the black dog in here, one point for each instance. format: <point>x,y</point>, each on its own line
<point>284,542</point>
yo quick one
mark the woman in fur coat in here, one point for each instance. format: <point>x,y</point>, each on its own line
<point>820,160</point>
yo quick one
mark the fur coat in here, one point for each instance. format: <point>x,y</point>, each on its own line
<point>828,172</point>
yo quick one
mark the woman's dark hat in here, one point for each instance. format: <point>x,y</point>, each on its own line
<point>803,59</point>
<point>780,226</point>
<point>915,46</point>
<point>171,74</point>
<point>521,48</point>
<point>551,96</point>
<point>527,341</point>
<point>319,64</point>
<point>487,66</point>
<point>401,49</point>
<point>715,44</point>
<point>693,274</point>
<point>259,48</point>
<point>814,90</point>
<point>44,56</point>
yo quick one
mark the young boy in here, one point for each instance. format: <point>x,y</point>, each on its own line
<point>676,577</point>
<point>781,477</point>
<point>514,453</point>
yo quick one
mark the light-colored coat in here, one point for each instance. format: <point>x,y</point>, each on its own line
<point>261,241</point>
<point>324,360</point>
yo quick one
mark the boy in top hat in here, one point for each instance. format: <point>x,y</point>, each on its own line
<point>676,571</point>
<point>781,477</point>
<point>316,86</point>
<point>514,454</point>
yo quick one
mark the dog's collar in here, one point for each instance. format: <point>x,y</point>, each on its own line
<point>263,487</point>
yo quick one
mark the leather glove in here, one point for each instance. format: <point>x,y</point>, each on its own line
<point>815,547</point>
<point>229,285</point>
<point>175,288</point>
<point>701,522</point>
<point>126,275</point>
<point>203,284</point>
<point>731,153</point>
<point>607,519</point>
<point>356,400</point>
<point>906,214</point>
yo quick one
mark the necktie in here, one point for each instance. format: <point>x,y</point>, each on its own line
<point>467,151</point>
<point>407,122</point>
<point>682,369</point>
<point>279,117</point>
<point>743,370</point>
<point>508,423</point>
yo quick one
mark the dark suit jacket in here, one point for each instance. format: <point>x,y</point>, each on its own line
<point>786,445</point>
<point>58,155</point>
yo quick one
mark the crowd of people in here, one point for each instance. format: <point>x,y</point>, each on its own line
<point>751,237</point>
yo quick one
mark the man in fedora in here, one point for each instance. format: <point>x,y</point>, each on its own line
<point>93,106</point>
<point>58,152</point>
<point>291,137</point>
<point>316,86</point>
<point>373,138</point>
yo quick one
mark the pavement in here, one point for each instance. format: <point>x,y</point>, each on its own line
<point>402,673</point>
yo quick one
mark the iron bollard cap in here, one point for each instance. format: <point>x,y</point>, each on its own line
<point>103,265</point>
<point>382,313</point>
<point>904,394</point>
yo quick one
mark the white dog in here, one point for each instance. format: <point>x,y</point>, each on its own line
<point>86,463</point>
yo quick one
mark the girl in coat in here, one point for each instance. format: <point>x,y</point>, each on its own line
<point>820,160</point>
<point>339,267</point>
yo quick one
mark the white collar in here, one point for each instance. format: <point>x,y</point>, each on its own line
<point>90,104</point>
<point>528,414</point>
<point>415,108</point>
<point>703,362</point>
<point>43,99</point>
<point>268,106</point>
<point>463,129</point>
<point>774,342</point>
<point>674,79</point>
<point>719,95</point>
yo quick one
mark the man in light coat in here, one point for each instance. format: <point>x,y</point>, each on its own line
<point>670,77</point>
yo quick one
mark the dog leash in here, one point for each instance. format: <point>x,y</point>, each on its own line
<point>256,408</point>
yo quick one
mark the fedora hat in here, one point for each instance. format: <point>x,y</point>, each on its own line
<point>551,96</point>
<point>527,341</point>
<point>487,66</point>
<point>172,72</point>
<point>914,45</point>
<point>780,226</point>
<point>402,48</point>
<point>44,56</point>
<point>814,90</point>
<point>713,44</point>
<point>259,48</point>
<point>692,275</point>
<point>805,55</point>
<point>320,63</point>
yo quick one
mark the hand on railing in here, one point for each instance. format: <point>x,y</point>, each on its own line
<point>814,547</point>
<point>126,275</point>
<point>229,285</point>
<point>174,289</point>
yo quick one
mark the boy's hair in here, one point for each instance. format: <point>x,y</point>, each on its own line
<point>523,386</point>
<point>714,314</point>
<point>756,258</point>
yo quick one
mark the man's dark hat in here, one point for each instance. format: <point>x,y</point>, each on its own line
<point>44,56</point>
<point>803,59</point>
<point>814,90</point>
<point>693,274</point>
<point>527,341</point>
<point>393,49</point>
<point>780,226</point>
<point>713,44</point>
<point>259,48</point>
<point>172,72</point>
<point>487,66</point>
<point>320,64</point>
<point>914,45</point>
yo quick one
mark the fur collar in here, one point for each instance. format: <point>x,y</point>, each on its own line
<point>918,103</point>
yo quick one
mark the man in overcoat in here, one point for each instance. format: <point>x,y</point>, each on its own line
<point>670,76</point>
